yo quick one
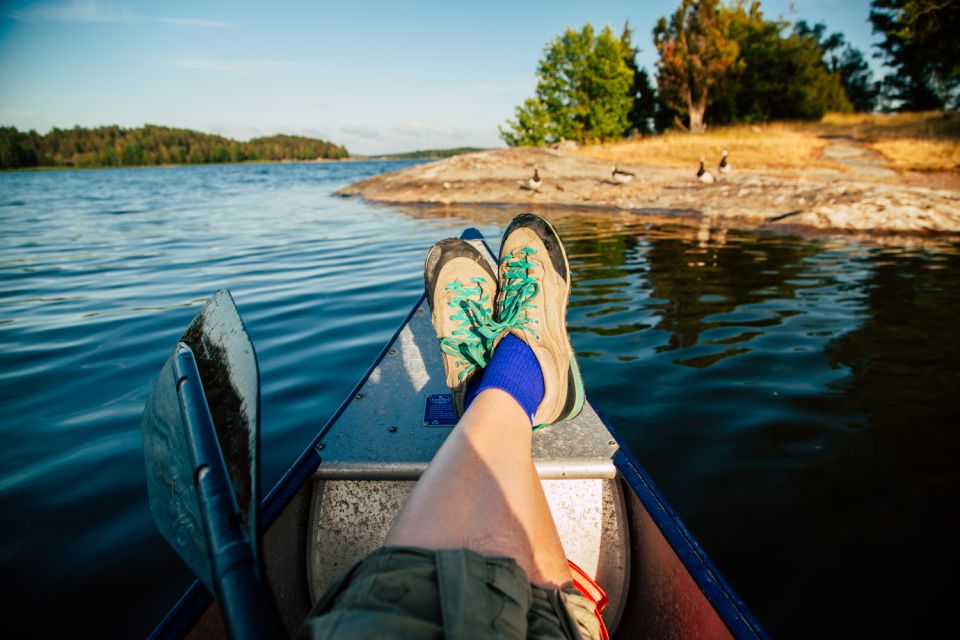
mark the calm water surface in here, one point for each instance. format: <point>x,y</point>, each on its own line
<point>797,399</point>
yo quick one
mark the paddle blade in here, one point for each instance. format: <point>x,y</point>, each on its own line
<point>230,378</point>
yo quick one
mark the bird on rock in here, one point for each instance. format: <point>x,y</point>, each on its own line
<point>724,165</point>
<point>703,175</point>
<point>620,176</point>
<point>535,182</point>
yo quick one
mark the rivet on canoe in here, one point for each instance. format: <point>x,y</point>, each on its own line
<point>321,446</point>
<point>359,396</point>
<point>392,352</point>
<point>391,429</point>
<point>612,443</point>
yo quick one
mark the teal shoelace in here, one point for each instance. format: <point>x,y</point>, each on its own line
<point>471,342</point>
<point>518,289</point>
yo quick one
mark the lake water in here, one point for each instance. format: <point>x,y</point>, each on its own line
<point>797,399</point>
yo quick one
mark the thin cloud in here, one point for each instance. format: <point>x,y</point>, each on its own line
<point>418,130</point>
<point>7,112</point>
<point>235,66</point>
<point>361,132</point>
<point>194,22</point>
<point>445,130</point>
<point>103,12</point>
<point>77,11</point>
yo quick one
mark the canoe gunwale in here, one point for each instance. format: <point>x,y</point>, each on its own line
<point>546,470</point>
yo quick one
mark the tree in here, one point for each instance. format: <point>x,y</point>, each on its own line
<point>920,41</point>
<point>843,58</point>
<point>583,92</point>
<point>778,76</point>
<point>643,112</point>
<point>695,54</point>
<point>532,128</point>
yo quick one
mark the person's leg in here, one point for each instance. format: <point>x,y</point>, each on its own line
<point>481,493</point>
<point>550,570</point>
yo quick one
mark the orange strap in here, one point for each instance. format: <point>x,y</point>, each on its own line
<point>593,593</point>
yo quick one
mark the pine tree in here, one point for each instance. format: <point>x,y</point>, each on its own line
<point>642,113</point>
<point>920,41</point>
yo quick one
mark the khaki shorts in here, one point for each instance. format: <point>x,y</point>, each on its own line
<point>405,592</point>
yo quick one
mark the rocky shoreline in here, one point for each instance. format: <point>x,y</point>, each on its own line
<point>860,195</point>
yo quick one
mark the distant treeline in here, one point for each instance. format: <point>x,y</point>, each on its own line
<point>149,145</point>
<point>432,154</point>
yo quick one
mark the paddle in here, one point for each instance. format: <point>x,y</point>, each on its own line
<point>201,431</point>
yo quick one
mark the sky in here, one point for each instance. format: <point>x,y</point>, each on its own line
<point>377,77</point>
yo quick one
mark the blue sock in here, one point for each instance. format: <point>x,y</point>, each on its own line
<point>515,370</point>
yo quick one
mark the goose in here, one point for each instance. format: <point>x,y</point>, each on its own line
<point>622,177</point>
<point>703,175</point>
<point>535,182</point>
<point>724,166</point>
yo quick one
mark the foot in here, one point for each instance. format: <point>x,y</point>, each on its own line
<point>460,287</point>
<point>534,287</point>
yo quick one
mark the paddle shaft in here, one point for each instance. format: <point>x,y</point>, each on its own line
<point>247,607</point>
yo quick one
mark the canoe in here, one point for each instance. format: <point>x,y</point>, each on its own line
<point>337,501</point>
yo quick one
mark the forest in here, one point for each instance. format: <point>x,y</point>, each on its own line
<point>114,146</point>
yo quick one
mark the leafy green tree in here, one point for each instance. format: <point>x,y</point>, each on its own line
<point>695,54</point>
<point>532,127</point>
<point>583,92</point>
<point>132,154</point>
<point>779,75</point>
<point>921,41</point>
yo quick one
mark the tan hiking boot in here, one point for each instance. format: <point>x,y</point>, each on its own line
<point>534,287</point>
<point>460,287</point>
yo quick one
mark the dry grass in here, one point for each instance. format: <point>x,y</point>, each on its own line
<point>927,141</point>
<point>873,127</point>
<point>778,145</point>
<point>913,154</point>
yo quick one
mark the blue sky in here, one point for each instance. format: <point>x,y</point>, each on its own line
<point>375,76</point>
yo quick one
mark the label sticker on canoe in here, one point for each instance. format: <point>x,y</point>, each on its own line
<point>438,411</point>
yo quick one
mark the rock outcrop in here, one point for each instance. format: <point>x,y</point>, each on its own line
<point>826,199</point>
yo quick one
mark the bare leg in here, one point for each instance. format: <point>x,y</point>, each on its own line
<point>481,493</point>
<point>549,559</point>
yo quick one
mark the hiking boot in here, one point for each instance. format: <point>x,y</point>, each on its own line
<point>534,287</point>
<point>460,286</point>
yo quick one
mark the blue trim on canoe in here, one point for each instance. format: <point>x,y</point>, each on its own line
<point>184,615</point>
<point>471,233</point>
<point>728,605</point>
